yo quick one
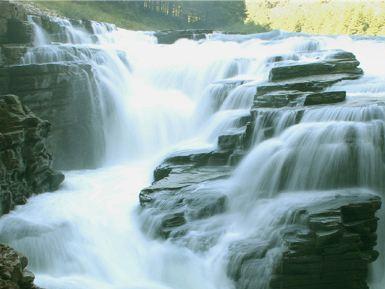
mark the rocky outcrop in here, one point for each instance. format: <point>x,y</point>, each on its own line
<point>170,36</point>
<point>63,94</point>
<point>54,82</point>
<point>339,62</point>
<point>13,272</point>
<point>326,245</point>
<point>293,84</point>
<point>16,33</point>
<point>14,27</point>
<point>25,164</point>
<point>177,198</point>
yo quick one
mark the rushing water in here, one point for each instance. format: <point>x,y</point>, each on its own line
<point>155,99</point>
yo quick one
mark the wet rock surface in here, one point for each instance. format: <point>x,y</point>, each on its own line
<point>327,244</point>
<point>295,84</point>
<point>182,194</point>
<point>61,93</point>
<point>13,271</point>
<point>25,163</point>
<point>16,33</point>
<point>170,36</point>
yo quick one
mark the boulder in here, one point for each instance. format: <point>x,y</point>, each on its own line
<point>13,271</point>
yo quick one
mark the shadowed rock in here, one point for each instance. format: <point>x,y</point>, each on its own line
<point>170,36</point>
<point>13,272</point>
<point>25,164</point>
<point>329,243</point>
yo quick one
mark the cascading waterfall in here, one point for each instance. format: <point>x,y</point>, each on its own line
<point>154,99</point>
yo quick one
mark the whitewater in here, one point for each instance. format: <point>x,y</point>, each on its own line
<point>167,98</point>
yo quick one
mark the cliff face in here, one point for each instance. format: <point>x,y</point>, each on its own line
<point>25,163</point>
<point>25,160</point>
<point>62,93</point>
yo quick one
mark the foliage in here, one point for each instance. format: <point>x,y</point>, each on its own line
<point>159,15</point>
<point>130,14</point>
<point>320,16</point>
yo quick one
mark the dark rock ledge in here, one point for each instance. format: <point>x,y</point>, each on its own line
<point>13,272</point>
<point>170,36</point>
<point>294,83</point>
<point>25,169</point>
<point>25,164</point>
<point>326,245</point>
<point>62,93</point>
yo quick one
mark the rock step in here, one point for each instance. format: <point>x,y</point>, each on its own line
<point>170,36</point>
<point>320,248</point>
<point>285,72</point>
<point>57,92</point>
<point>292,98</point>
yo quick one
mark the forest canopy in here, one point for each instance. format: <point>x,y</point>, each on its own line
<point>320,16</point>
<point>311,16</point>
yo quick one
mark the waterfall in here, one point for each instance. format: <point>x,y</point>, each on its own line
<point>151,100</point>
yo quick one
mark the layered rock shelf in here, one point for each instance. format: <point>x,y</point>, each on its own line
<point>294,84</point>
<point>62,92</point>
<point>328,244</point>
<point>170,36</point>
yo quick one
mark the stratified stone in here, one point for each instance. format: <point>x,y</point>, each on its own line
<point>335,62</point>
<point>328,244</point>
<point>63,94</point>
<point>170,36</point>
<point>329,97</point>
<point>293,83</point>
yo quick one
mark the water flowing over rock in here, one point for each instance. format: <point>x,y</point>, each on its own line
<point>328,243</point>
<point>56,82</point>
<point>324,242</point>
<point>170,36</point>
<point>271,147</point>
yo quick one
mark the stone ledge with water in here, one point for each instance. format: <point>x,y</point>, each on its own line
<point>325,243</point>
<point>268,153</point>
